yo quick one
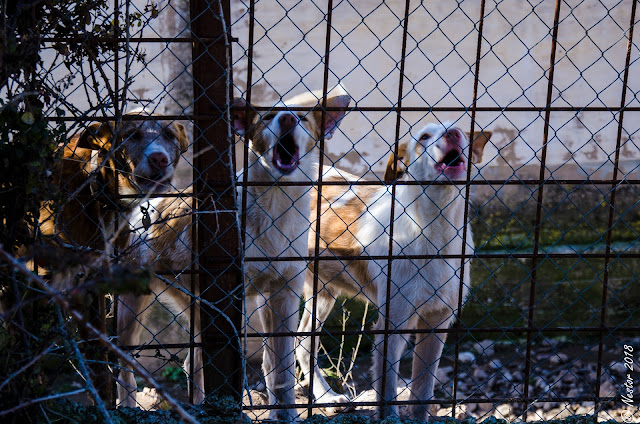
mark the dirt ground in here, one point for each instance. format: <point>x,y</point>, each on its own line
<point>494,371</point>
<point>488,370</point>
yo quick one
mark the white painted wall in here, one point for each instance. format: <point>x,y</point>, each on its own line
<point>366,45</point>
<point>366,41</point>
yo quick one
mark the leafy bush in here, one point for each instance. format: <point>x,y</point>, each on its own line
<point>38,342</point>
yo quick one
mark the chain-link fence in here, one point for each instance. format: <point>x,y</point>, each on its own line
<point>367,207</point>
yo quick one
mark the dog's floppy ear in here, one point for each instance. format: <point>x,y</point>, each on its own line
<point>242,119</point>
<point>181,136</point>
<point>389,174</point>
<point>337,97</point>
<point>96,136</point>
<point>479,139</point>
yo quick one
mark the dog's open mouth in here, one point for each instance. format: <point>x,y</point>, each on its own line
<point>452,162</point>
<point>285,154</point>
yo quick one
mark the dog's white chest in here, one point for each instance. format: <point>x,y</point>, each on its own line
<point>421,228</point>
<point>277,227</point>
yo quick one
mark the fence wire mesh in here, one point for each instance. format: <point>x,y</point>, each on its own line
<point>321,207</point>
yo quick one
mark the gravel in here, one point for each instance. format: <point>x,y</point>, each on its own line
<point>466,357</point>
<point>558,370</point>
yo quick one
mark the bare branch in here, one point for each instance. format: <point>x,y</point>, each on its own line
<point>18,99</point>
<point>38,400</point>
<point>83,322</point>
<point>27,365</point>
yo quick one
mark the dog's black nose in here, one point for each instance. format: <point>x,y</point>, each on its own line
<point>158,160</point>
<point>287,121</point>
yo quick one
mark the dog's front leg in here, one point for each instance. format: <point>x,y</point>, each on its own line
<point>395,347</point>
<point>426,358</point>
<point>197,373</point>
<point>326,298</point>
<point>132,311</point>
<point>279,314</point>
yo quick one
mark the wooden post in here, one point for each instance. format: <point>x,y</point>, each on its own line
<point>218,242</point>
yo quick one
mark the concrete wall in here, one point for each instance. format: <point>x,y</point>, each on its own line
<point>366,45</point>
<point>366,41</point>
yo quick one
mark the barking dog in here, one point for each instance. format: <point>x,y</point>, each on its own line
<point>282,148</point>
<point>97,168</point>
<point>424,292</point>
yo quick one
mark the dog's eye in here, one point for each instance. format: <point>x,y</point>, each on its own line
<point>425,136</point>
<point>134,135</point>
<point>269,116</point>
<point>168,134</point>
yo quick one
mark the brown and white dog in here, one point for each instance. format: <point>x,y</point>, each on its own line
<point>283,147</point>
<point>98,166</point>
<point>165,245</point>
<point>424,292</point>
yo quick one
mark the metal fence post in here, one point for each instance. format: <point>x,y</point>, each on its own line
<point>220,278</point>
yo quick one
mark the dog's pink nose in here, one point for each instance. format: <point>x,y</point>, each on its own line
<point>287,121</point>
<point>158,160</point>
<point>455,135</point>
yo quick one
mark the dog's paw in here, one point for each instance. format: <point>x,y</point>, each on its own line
<point>128,402</point>
<point>284,416</point>
<point>301,390</point>
<point>340,403</point>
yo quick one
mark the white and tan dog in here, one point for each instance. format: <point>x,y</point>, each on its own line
<point>283,147</point>
<point>424,292</point>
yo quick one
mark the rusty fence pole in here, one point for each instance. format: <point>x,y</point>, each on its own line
<point>218,247</point>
